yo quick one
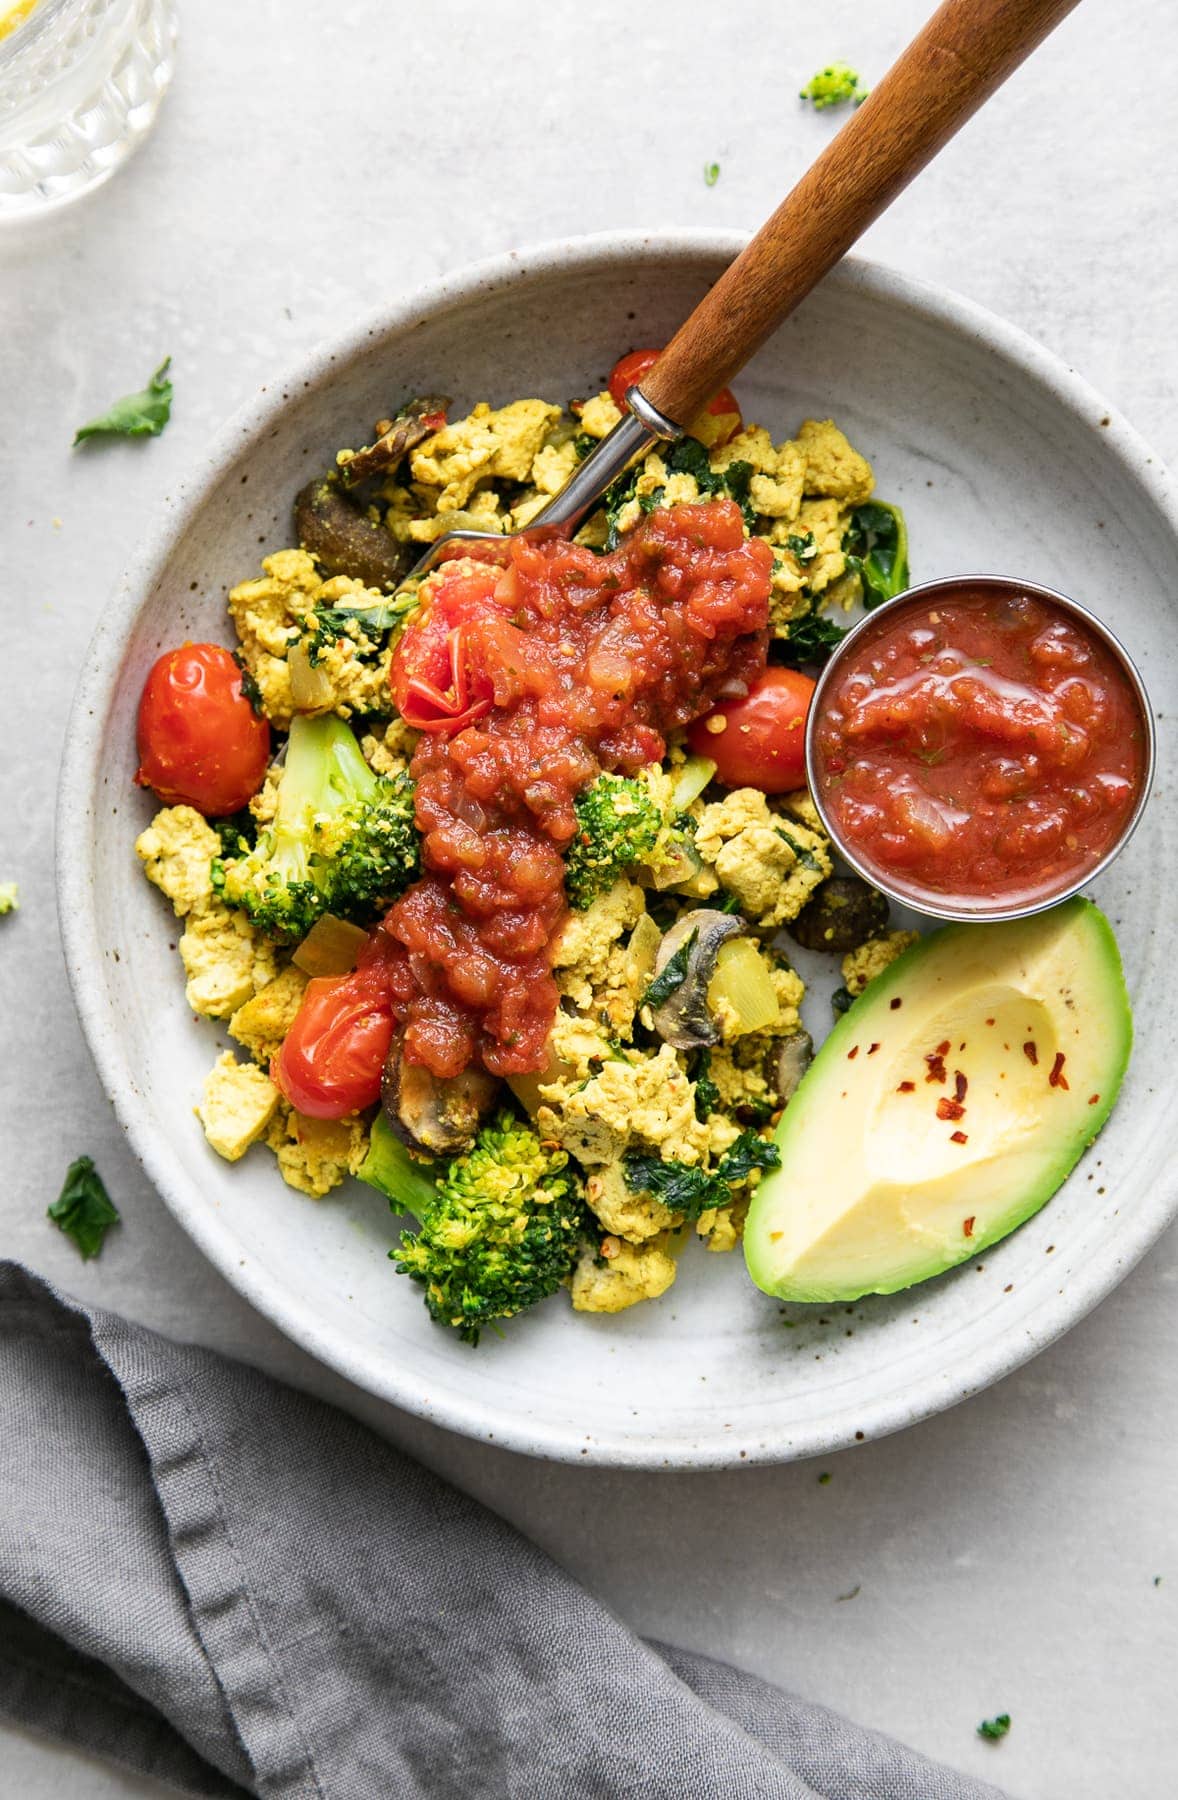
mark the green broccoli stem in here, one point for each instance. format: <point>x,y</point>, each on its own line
<point>409,1182</point>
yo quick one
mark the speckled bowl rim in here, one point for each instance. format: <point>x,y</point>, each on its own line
<point>936,1389</point>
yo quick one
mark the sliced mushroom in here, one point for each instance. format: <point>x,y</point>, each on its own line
<point>430,1114</point>
<point>841,913</point>
<point>681,1015</point>
<point>788,1062</point>
<point>343,540</point>
<point>394,439</point>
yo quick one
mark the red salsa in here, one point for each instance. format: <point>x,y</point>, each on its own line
<point>526,680</point>
<point>980,746</point>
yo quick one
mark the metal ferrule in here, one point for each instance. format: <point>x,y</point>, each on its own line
<point>651,417</point>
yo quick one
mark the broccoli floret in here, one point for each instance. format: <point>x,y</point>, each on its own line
<point>502,1233</point>
<point>342,839</point>
<point>832,85</point>
<point>618,823</point>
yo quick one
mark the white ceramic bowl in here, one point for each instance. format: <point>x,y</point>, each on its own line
<point>1004,460</point>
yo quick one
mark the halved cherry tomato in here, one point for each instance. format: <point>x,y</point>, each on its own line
<point>332,1058</point>
<point>629,370</point>
<point>435,687</point>
<point>200,741</point>
<point>763,740</point>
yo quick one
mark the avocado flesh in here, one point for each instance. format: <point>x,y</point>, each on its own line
<point>873,1194</point>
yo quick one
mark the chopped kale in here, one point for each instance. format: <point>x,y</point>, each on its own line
<point>811,640</point>
<point>84,1209</point>
<point>749,1152</point>
<point>687,457</point>
<point>367,626</point>
<point>995,1728</point>
<point>876,545</point>
<point>711,174</point>
<point>249,686</point>
<point>802,545</point>
<point>806,858</point>
<point>238,834</point>
<point>135,415</point>
<point>707,1094</point>
<point>842,1000</point>
<point>672,975</point>
<point>687,1188</point>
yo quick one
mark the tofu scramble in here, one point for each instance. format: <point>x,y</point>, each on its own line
<point>674,1039</point>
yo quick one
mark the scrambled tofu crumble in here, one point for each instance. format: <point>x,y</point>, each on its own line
<point>613,1089</point>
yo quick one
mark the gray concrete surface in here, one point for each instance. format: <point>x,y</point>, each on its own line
<point>1018,1554</point>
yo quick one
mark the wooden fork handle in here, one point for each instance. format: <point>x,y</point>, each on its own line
<point>966,50</point>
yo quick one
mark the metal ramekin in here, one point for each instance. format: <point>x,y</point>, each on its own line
<point>927,590</point>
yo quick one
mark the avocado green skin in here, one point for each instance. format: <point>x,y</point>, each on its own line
<point>1095,962</point>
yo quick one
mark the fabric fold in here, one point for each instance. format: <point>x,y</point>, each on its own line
<point>237,1588</point>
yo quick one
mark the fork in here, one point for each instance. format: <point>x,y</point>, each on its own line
<point>964,52</point>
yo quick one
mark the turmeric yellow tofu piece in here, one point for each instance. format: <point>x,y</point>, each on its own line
<point>238,1104</point>
<point>225,961</point>
<point>176,850</point>
<point>314,1155</point>
<point>630,1273</point>
<point>834,470</point>
<point>262,1023</point>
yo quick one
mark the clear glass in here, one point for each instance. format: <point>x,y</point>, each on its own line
<point>80,83</point>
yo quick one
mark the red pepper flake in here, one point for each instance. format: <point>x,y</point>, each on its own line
<point>944,1048</point>
<point>989,1021</point>
<point>936,1065</point>
<point>959,1084</point>
<point>852,1053</point>
<point>894,1003</point>
<point>906,1087</point>
<point>958,1137</point>
<point>1031,1053</point>
<point>967,1225</point>
<point>871,1049</point>
<point>1057,1078</point>
<point>950,1109</point>
<point>1092,1099</point>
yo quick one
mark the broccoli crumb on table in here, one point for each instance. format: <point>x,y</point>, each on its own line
<point>678,1037</point>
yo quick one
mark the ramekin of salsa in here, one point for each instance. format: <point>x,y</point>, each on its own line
<point>980,747</point>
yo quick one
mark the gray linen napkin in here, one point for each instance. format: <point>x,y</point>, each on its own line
<point>232,1587</point>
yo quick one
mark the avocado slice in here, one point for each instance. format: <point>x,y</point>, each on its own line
<point>945,1107</point>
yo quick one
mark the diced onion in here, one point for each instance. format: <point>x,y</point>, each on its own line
<point>311,688</point>
<point>690,781</point>
<point>742,986</point>
<point>330,947</point>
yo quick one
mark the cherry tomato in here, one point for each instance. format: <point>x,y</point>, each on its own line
<point>200,741</point>
<point>629,371</point>
<point>763,743</point>
<point>332,1058</point>
<point>434,685</point>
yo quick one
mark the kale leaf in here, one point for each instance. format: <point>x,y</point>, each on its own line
<point>995,1728</point>
<point>811,640</point>
<point>84,1209</point>
<point>687,457</point>
<point>691,1190</point>
<point>135,415</point>
<point>368,626</point>
<point>876,545</point>
<point>707,1094</point>
<point>672,975</point>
